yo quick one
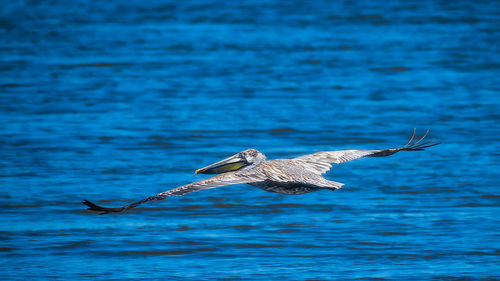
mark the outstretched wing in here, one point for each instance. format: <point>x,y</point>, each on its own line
<point>321,161</point>
<point>219,180</point>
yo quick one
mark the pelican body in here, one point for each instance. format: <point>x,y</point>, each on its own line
<point>286,176</point>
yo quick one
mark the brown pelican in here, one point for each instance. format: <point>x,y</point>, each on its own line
<point>287,176</point>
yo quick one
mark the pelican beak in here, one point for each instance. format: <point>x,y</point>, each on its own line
<point>230,164</point>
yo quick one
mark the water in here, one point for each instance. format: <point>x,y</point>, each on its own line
<point>113,102</point>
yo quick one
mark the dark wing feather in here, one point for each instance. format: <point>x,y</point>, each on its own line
<point>219,180</point>
<point>321,161</point>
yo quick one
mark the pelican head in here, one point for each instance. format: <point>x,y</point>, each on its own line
<point>244,159</point>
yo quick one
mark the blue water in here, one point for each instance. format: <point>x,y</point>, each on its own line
<point>116,101</point>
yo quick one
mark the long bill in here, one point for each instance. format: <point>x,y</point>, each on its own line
<point>230,164</point>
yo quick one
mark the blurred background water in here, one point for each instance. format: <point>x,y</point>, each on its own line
<point>115,101</point>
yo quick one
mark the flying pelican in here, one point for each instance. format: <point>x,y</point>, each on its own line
<point>287,176</point>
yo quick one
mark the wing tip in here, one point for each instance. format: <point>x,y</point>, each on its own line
<point>96,208</point>
<point>419,145</point>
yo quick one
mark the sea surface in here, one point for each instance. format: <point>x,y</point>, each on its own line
<point>113,101</point>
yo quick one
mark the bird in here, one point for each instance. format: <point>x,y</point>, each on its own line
<point>286,176</point>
